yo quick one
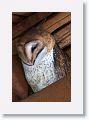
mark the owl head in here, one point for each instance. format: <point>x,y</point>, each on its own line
<point>34,46</point>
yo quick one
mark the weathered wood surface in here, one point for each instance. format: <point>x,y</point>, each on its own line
<point>28,23</point>
<point>14,50</point>
<point>22,13</point>
<point>52,24</point>
<point>19,16</point>
<point>56,92</point>
<point>16,19</point>
<point>64,36</point>
<point>56,21</point>
<point>20,87</point>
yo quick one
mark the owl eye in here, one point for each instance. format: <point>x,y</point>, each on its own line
<point>34,47</point>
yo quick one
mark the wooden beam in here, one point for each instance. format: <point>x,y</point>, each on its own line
<point>57,21</point>
<point>22,13</point>
<point>16,19</point>
<point>14,50</point>
<point>63,36</point>
<point>65,42</point>
<point>63,31</point>
<point>59,91</point>
<point>28,23</point>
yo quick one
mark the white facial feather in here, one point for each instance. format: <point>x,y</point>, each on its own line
<point>28,50</point>
<point>41,56</point>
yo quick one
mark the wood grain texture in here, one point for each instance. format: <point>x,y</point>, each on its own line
<point>22,13</point>
<point>56,21</point>
<point>14,50</point>
<point>61,33</point>
<point>65,42</point>
<point>63,36</point>
<point>56,92</point>
<point>16,19</point>
<point>28,23</point>
<point>20,86</point>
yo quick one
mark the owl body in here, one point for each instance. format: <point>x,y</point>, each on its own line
<point>42,60</point>
<point>42,74</point>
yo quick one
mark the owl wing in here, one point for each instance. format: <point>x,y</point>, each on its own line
<point>61,62</point>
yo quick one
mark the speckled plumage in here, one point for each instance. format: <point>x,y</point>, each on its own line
<point>41,75</point>
<point>50,68</point>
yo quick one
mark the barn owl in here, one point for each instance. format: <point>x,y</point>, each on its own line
<point>38,53</point>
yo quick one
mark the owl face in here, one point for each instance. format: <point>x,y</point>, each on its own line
<point>32,52</point>
<point>34,46</point>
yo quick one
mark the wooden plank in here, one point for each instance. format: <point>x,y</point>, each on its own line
<point>65,42</point>
<point>56,92</point>
<point>23,13</point>
<point>62,32</point>
<point>28,23</point>
<point>64,36</point>
<point>57,21</point>
<point>14,50</point>
<point>20,87</point>
<point>59,24</point>
<point>16,19</point>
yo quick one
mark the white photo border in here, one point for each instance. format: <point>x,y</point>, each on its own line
<point>76,104</point>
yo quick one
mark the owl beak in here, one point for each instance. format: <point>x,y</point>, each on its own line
<point>32,50</point>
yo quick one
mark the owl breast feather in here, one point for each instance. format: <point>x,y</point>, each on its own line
<point>42,74</point>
